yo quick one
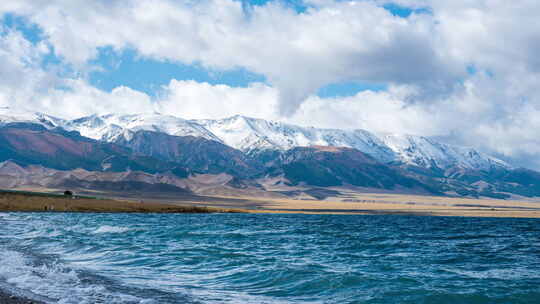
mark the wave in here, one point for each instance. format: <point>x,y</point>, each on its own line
<point>111,229</point>
<point>50,281</point>
<point>243,258</point>
<point>5,215</point>
<point>517,273</point>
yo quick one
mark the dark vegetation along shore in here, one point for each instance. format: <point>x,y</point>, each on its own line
<point>45,202</point>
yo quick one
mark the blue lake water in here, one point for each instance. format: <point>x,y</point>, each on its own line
<point>245,258</point>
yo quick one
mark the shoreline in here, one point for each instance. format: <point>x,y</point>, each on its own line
<point>396,213</point>
<point>364,204</point>
<point>29,202</point>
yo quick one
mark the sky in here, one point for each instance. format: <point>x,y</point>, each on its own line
<point>466,71</point>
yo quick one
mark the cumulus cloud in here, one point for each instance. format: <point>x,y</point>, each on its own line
<point>21,75</point>
<point>298,53</point>
<point>190,99</point>
<point>77,98</point>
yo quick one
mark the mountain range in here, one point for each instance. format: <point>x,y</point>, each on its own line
<point>160,152</point>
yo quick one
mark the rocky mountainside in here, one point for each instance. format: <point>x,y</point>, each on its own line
<point>32,144</point>
<point>198,154</point>
<point>332,166</point>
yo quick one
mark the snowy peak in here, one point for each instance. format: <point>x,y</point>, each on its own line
<point>251,135</point>
<point>111,127</point>
<point>95,127</point>
<point>426,152</point>
<point>248,134</point>
<point>9,115</point>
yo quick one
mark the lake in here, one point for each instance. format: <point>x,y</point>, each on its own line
<point>269,258</point>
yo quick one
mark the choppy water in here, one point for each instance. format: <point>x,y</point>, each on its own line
<point>242,258</point>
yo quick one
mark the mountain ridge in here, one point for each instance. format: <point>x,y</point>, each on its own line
<point>254,152</point>
<point>252,135</point>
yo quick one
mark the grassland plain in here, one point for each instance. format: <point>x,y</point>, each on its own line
<point>353,203</point>
<point>377,203</point>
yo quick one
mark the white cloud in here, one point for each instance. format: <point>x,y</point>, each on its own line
<point>375,111</point>
<point>78,99</point>
<point>298,53</point>
<point>190,99</point>
<point>20,73</point>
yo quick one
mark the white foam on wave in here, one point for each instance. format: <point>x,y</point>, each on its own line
<point>54,282</point>
<point>501,274</point>
<point>5,215</point>
<point>111,229</point>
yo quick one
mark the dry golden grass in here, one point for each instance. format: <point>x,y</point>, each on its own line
<point>375,203</point>
<point>38,203</point>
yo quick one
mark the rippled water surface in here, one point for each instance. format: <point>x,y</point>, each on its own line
<point>242,258</point>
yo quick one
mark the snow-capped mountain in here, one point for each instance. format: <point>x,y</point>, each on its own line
<point>251,152</point>
<point>10,115</point>
<point>426,152</point>
<point>111,127</point>
<point>251,135</point>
